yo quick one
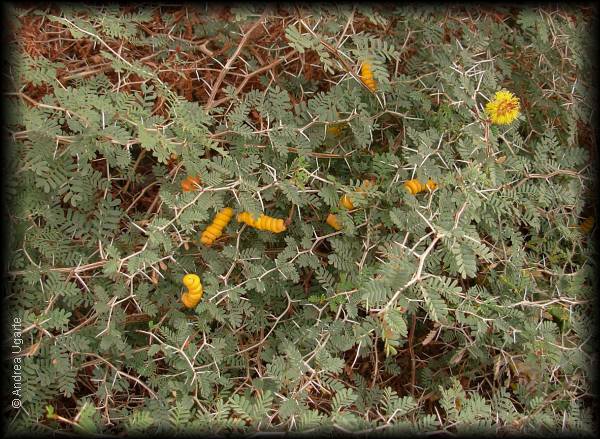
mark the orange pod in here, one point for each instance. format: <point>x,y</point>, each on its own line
<point>333,222</point>
<point>190,183</point>
<point>346,202</point>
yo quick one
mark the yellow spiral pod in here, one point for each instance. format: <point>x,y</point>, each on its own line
<point>277,225</point>
<point>371,84</point>
<point>333,222</point>
<point>192,297</point>
<point>431,185</point>
<point>264,222</point>
<point>261,223</point>
<point>366,184</point>
<point>366,71</point>
<point>366,74</point>
<point>270,224</point>
<point>346,202</point>
<point>587,226</point>
<point>334,130</point>
<point>245,217</point>
<point>415,186</point>
<point>215,230</point>
<point>186,301</point>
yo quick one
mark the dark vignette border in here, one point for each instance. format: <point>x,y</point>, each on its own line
<point>5,174</point>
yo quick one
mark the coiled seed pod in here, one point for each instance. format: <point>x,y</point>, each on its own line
<point>415,186</point>
<point>275,225</point>
<point>334,130</point>
<point>587,226</point>
<point>346,202</point>
<point>246,217</point>
<point>366,74</point>
<point>192,297</point>
<point>333,221</point>
<point>215,230</point>
<point>264,222</point>
<point>190,183</point>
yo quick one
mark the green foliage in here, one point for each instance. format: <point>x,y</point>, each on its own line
<point>464,309</point>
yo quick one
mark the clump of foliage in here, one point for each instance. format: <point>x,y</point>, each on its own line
<point>464,308</point>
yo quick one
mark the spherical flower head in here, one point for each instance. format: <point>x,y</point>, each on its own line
<point>504,108</point>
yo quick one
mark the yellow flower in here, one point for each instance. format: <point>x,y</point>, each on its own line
<point>504,108</point>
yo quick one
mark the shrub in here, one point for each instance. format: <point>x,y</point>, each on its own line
<point>463,307</point>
